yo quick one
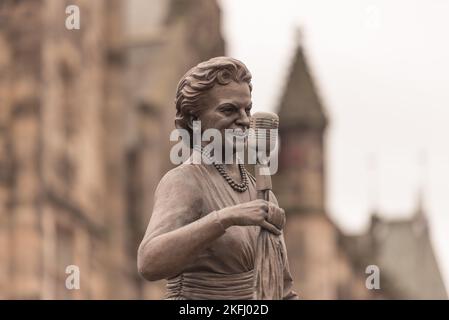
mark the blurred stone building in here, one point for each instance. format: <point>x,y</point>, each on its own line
<point>85,117</point>
<point>325,263</point>
<point>84,122</point>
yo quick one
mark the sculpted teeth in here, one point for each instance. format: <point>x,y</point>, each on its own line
<point>240,133</point>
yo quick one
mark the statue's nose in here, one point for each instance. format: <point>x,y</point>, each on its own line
<point>243,120</point>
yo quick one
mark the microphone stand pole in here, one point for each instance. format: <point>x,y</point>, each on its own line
<point>263,181</point>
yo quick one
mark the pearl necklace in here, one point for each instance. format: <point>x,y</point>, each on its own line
<point>239,187</point>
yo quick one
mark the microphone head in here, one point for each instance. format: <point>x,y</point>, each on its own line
<point>264,120</point>
<point>263,131</point>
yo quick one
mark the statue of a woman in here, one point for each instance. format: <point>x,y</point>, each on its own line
<point>205,232</point>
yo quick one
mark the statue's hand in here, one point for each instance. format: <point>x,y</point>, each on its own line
<point>253,213</point>
<point>276,216</point>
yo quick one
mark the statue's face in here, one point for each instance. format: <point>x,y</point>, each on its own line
<point>227,107</point>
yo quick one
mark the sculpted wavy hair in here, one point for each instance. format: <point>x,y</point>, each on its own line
<point>199,79</point>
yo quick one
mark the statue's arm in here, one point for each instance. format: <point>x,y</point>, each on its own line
<point>176,233</point>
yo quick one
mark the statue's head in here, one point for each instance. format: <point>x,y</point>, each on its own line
<point>217,92</point>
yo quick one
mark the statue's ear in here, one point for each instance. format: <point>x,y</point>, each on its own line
<point>192,117</point>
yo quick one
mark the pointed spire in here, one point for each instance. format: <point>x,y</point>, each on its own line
<point>299,36</point>
<point>373,188</point>
<point>300,103</point>
<point>420,198</point>
<point>419,219</point>
<point>419,208</point>
<point>375,218</point>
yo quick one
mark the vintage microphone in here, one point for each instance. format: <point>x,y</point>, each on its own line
<point>269,265</point>
<point>262,139</point>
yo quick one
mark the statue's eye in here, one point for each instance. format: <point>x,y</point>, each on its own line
<point>228,109</point>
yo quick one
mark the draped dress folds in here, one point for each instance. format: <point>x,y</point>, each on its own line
<point>246,262</point>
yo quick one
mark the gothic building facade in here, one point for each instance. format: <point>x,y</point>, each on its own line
<point>326,263</point>
<point>84,121</point>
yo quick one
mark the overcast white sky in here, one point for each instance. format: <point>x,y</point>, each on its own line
<point>382,68</point>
